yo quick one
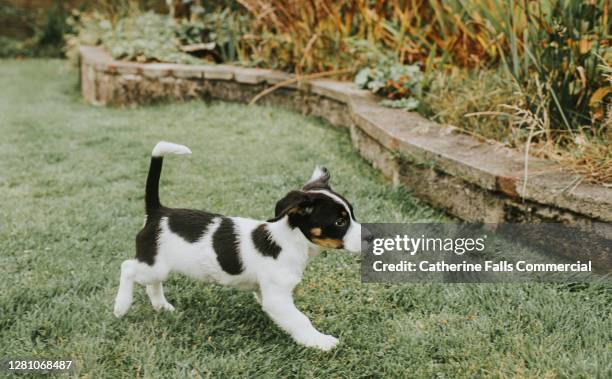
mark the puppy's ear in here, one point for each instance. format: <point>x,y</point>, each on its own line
<point>295,202</point>
<point>319,179</point>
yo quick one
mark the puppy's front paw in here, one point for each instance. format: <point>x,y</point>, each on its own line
<point>121,306</point>
<point>327,342</point>
<point>319,341</point>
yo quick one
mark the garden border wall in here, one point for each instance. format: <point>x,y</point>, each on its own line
<point>474,180</point>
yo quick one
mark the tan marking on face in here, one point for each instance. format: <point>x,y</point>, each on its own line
<point>328,242</point>
<point>344,213</point>
<point>292,210</point>
<point>315,232</point>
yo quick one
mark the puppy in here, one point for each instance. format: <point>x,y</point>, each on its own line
<point>267,257</point>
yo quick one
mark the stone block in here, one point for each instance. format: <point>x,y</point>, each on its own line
<point>340,91</point>
<point>187,71</point>
<point>157,70</point>
<point>250,75</point>
<point>128,68</point>
<point>218,72</point>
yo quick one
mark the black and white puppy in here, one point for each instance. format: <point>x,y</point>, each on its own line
<point>267,257</point>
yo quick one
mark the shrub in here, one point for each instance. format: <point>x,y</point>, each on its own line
<point>151,37</point>
<point>147,38</point>
<point>560,45</point>
<point>224,27</point>
<point>400,84</point>
<point>32,34</point>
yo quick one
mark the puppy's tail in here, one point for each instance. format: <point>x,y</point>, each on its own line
<point>157,156</point>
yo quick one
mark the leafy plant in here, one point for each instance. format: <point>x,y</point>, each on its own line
<point>151,37</point>
<point>407,104</point>
<point>223,27</point>
<point>147,37</point>
<point>401,84</point>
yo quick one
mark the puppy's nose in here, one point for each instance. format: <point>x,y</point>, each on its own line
<point>366,235</point>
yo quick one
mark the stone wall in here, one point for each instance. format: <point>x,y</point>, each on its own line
<point>474,180</point>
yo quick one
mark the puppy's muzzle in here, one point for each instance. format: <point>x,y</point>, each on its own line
<point>366,239</point>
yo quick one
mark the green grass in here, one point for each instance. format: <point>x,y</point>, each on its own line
<point>71,185</point>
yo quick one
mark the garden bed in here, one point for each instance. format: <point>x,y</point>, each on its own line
<point>475,180</point>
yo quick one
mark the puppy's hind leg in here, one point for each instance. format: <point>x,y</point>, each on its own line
<point>158,300</point>
<point>133,271</point>
<point>125,294</point>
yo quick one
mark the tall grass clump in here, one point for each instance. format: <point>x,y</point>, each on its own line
<point>560,46</point>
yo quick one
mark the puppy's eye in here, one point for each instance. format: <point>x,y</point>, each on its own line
<point>341,222</point>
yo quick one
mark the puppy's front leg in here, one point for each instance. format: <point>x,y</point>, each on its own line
<point>277,302</point>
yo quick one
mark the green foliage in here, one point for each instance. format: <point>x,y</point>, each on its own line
<point>12,47</point>
<point>407,104</point>
<point>552,49</point>
<point>453,94</point>
<point>563,48</point>
<point>148,37</point>
<point>225,27</point>
<point>36,34</point>
<point>151,37</point>
<point>402,85</point>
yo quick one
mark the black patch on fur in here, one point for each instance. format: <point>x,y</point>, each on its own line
<point>146,239</point>
<point>189,224</point>
<point>225,244</point>
<point>264,243</point>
